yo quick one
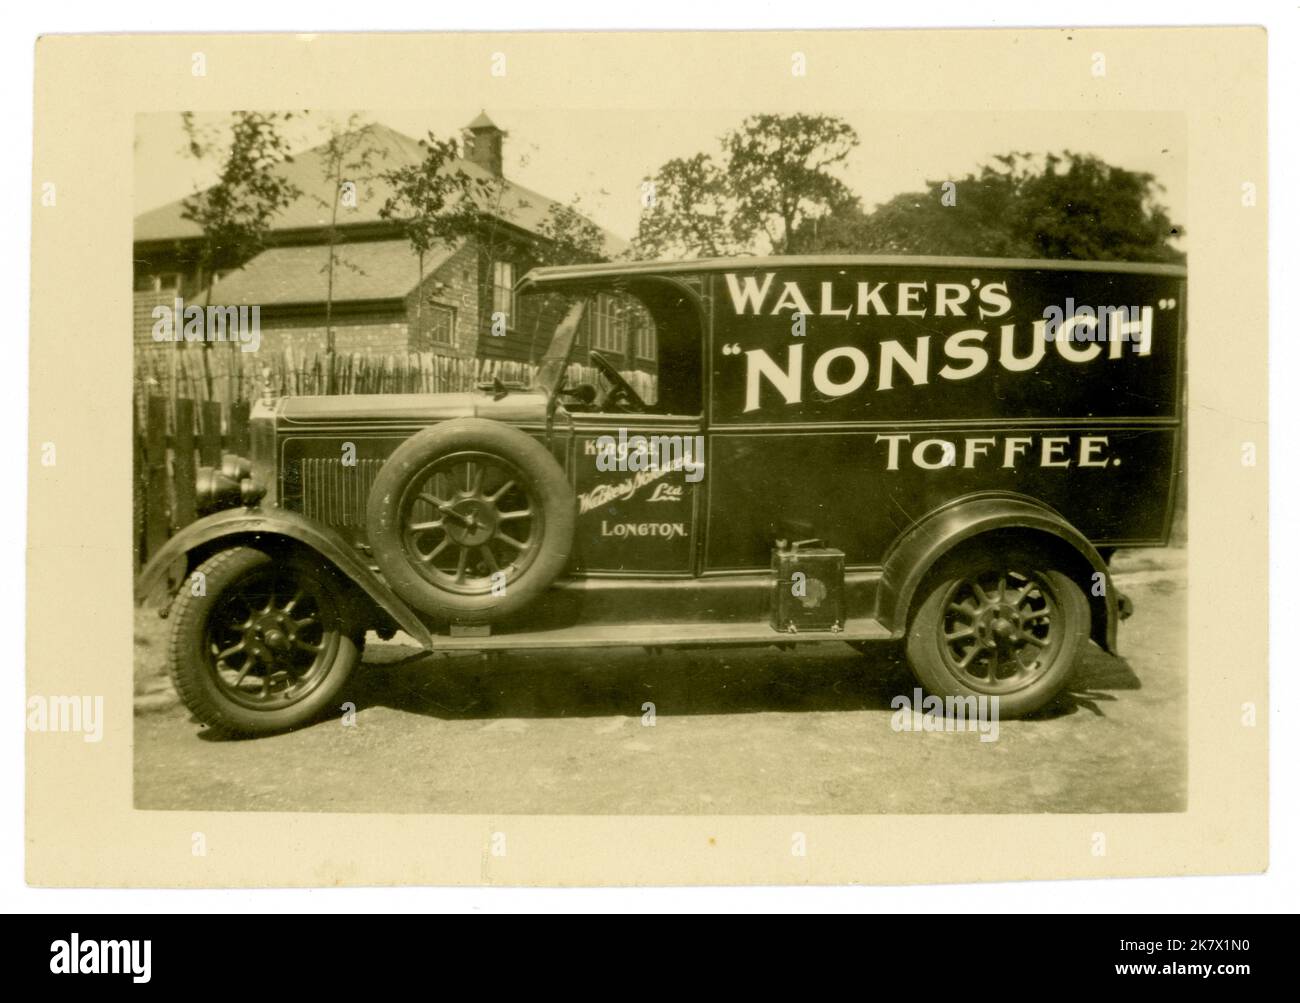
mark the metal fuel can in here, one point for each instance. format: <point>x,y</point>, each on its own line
<point>808,587</point>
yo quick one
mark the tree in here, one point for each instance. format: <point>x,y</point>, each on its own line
<point>488,210</point>
<point>347,169</point>
<point>1066,206</point>
<point>687,213</point>
<point>778,171</point>
<point>438,202</point>
<point>433,201</point>
<point>775,175</point>
<point>569,237</point>
<point>235,214</point>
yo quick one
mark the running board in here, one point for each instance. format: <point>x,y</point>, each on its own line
<point>659,635</point>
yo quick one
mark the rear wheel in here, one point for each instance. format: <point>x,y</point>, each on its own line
<point>1008,626</point>
<point>268,644</point>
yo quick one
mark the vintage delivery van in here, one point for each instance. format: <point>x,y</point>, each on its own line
<point>943,453</point>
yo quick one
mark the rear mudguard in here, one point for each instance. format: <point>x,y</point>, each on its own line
<point>915,552</point>
<point>249,526</point>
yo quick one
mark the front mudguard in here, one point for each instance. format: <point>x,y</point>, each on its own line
<point>251,526</point>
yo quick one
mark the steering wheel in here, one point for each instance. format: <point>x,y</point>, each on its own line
<point>619,387</point>
<point>581,395</point>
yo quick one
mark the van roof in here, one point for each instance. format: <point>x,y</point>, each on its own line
<point>612,270</point>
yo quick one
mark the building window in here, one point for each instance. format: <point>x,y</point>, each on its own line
<point>441,324</point>
<point>643,333</point>
<point>503,290</point>
<point>609,325</point>
<point>164,282</point>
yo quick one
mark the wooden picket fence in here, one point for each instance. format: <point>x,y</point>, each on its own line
<point>228,375</point>
<point>189,410</point>
<point>172,438</point>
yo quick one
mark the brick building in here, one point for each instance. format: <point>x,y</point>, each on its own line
<point>376,286</point>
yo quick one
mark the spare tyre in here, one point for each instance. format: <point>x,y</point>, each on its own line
<point>471,520</point>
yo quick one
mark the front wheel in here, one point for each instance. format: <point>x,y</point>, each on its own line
<point>1007,626</point>
<point>265,645</point>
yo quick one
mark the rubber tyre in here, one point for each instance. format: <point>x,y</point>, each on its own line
<point>924,638</point>
<point>189,657</point>
<point>545,481</point>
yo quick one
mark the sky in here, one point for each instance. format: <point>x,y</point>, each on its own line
<point>601,157</point>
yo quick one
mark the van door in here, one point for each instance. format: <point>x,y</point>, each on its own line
<point>636,461</point>
<point>637,480</point>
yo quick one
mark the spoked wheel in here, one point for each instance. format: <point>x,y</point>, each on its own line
<point>267,645</point>
<point>470,521</point>
<point>1010,627</point>
<point>998,630</point>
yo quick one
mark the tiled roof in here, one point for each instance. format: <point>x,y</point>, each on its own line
<point>520,206</point>
<point>371,270</point>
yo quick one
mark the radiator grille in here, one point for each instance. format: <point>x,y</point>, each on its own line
<point>336,494</point>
